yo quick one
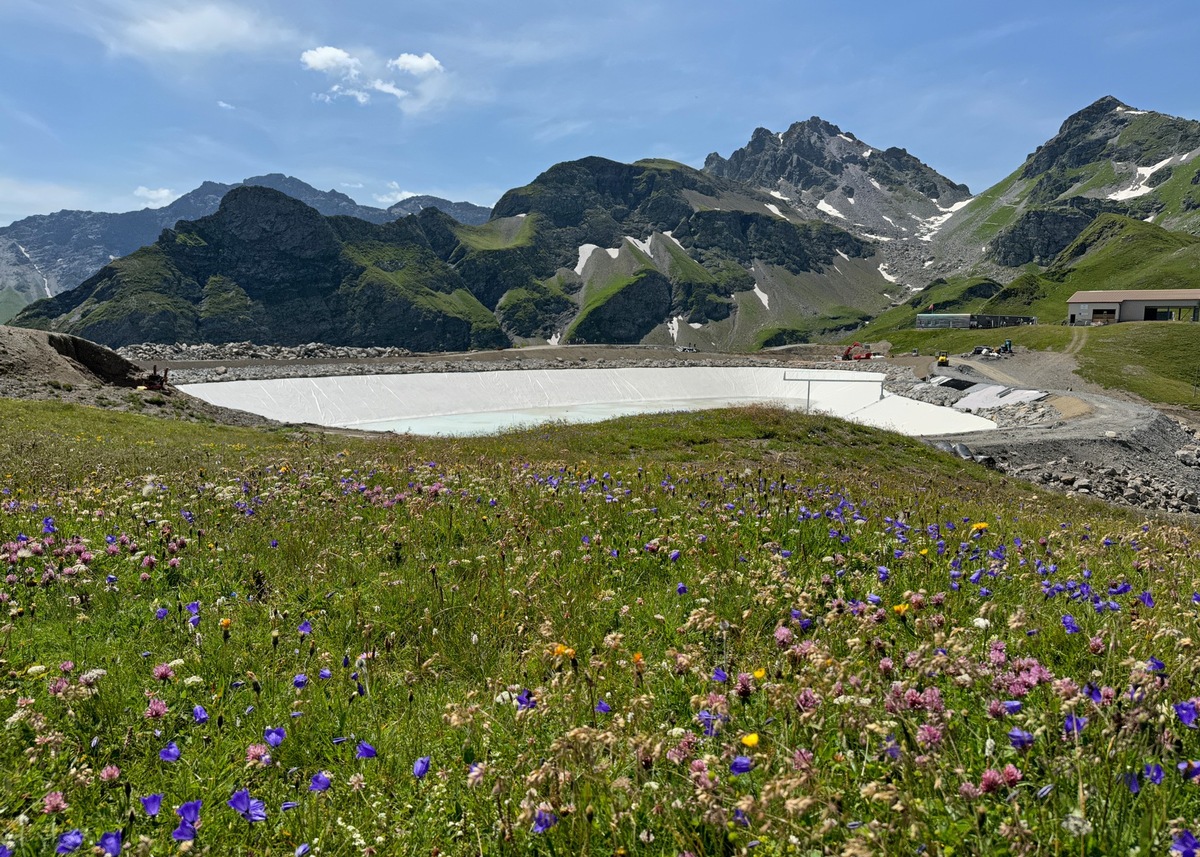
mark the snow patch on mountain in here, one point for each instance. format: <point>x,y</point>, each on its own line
<point>1140,186</point>
<point>762,296</point>
<point>585,253</point>
<point>883,272</point>
<point>930,226</point>
<point>829,209</point>
<point>644,246</point>
<point>775,210</point>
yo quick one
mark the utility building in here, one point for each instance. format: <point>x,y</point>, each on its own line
<point>1114,305</point>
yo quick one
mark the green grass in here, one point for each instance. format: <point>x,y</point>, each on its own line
<point>498,234</point>
<point>871,601</point>
<point>1158,361</point>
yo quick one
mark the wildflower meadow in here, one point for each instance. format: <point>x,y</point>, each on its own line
<point>740,632</point>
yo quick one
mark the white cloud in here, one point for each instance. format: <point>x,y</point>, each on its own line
<point>156,197</point>
<point>352,184</point>
<point>389,88</point>
<point>333,61</point>
<point>225,105</point>
<point>394,194</point>
<point>338,91</point>
<point>142,28</point>
<point>357,75</point>
<point>421,65</point>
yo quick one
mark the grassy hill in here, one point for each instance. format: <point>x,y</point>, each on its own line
<point>653,635</point>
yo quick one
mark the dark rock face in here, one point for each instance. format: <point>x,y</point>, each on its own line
<point>630,314</point>
<point>746,237</point>
<point>1038,236</point>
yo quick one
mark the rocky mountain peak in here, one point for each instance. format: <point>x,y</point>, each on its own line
<point>1108,129</point>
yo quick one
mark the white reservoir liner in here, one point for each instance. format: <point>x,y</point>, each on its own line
<point>462,403</point>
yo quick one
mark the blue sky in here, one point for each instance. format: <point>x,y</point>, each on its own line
<point>113,105</point>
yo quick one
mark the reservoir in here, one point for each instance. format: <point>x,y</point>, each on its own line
<point>476,403</point>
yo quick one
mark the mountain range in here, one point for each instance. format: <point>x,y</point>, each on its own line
<point>799,234</point>
<point>44,255</point>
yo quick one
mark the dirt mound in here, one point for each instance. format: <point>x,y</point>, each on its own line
<point>35,364</point>
<point>35,356</point>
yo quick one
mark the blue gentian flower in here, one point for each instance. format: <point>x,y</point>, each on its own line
<point>720,675</point>
<point>364,751</point>
<point>247,807</point>
<point>1073,724</point>
<point>300,681</point>
<point>110,843</point>
<point>170,753</point>
<point>421,767</point>
<point>152,804</point>
<point>305,628</point>
<point>320,782</point>
<point>525,700</point>
<point>1020,739</point>
<point>1154,773</point>
<point>741,765</point>
<point>603,707</point>
<point>274,735</point>
<point>543,821</point>
<point>1186,845</point>
<point>1187,713</point>
<point>1070,624</point>
<point>69,841</point>
<point>199,714</point>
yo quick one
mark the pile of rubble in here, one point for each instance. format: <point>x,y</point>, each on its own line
<point>237,351</point>
<point>1115,484</point>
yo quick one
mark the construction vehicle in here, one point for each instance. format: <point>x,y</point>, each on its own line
<point>943,358</point>
<point>864,354</point>
<point>1006,348</point>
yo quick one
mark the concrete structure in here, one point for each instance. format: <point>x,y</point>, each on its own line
<point>969,321</point>
<point>1114,305</point>
<point>984,396</point>
<point>456,403</point>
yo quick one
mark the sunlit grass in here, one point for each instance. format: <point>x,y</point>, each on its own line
<point>721,632</point>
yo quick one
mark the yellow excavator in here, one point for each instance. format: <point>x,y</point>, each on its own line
<point>943,358</point>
